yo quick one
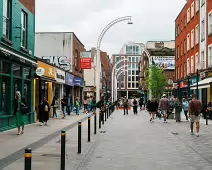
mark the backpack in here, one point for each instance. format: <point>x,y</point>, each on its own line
<point>135,102</point>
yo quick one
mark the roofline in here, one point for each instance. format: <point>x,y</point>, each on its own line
<point>62,33</point>
<point>181,11</point>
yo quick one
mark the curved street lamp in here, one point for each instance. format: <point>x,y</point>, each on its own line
<point>126,18</point>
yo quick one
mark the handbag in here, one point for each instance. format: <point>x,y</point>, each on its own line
<point>24,110</point>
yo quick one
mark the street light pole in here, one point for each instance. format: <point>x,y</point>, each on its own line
<point>116,87</point>
<point>98,60</point>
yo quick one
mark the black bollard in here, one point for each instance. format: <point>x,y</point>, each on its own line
<point>103,119</point>
<point>105,114</point>
<point>206,117</point>
<point>100,121</point>
<point>28,159</point>
<point>94,123</point>
<point>79,136</point>
<point>89,129</point>
<point>63,149</point>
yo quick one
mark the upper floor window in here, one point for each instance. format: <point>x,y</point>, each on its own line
<point>178,49</point>
<point>197,60</point>
<point>192,64</point>
<point>24,29</point>
<point>210,55</point>
<point>192,38</point>
<point>192,10</point>
<point>7,19</point>
<point>188,66</point>
<point>197,34</point>
<point>210,23</point>
<point>197,5</point>
<point>188,15</point>
<point>188,42</point>
<point>184,46</point>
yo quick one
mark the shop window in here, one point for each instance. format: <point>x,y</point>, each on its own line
<point>17,86</point>
<point>57,90</point>
<point>16,70</point>
<point>26,73</point>
<point>44,90</point>
<point>27,93</point>
<point>129,85</point>
<point>5,67</point>
<point>5,95</point>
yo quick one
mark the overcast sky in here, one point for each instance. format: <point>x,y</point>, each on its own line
<point>153,20</point>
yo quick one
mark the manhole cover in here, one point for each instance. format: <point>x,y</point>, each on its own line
<point>175,133</point>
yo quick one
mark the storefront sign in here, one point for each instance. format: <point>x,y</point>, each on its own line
<point>60,76</point>
<point>183,84</point>
<point>78,81</point>
<point>86,54</point>
<point>69,79</point>
<point>85,63</point>
<point>49,70</point>
<point>40,71</point>
<point>165,62</point>
<point>88,89</point>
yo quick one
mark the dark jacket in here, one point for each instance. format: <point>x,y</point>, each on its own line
<point>64,102</point>
<point>152,106</point>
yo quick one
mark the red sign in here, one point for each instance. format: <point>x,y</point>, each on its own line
<point>85,63</point>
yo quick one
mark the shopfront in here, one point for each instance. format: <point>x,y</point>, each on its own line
<point>69,84</point>
<point>59,84</point>
<point>78,87</point>
<point>44,79</point>
<point>16,74</point>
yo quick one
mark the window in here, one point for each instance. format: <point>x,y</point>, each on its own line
<point>5,67</point>
<point>129,85</point>
<point>210,55</point>
<point>16,70</point>
<point>178,29</point>
<point>197,34</point>
<point>26,73</point>
<point>178,49</point>
<point>197,60</point>
<point>184,46</point>
<point>188,66</point>
<point>181,49</point>
<point>203,31</point>
<point>24,29</point>
<point>184,21</point>
<point>188,42</point>
<point>7,19</point>
<point>188,15</point>
<point>184,69</point>
<point>176,32</point>
<point>129,49</point>
<point>178,72</point>
<point>192,38</point>
<point>197,5</point>
<point>192,10</point>
<point>5,94</point>
<point>210,23</point>
<point>192,64</point>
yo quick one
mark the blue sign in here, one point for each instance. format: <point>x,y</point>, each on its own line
<point>78,81</point>
<point>69,79</point>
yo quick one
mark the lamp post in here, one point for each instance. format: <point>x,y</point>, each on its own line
<point>197,80</point>
<point>188,86</point>
<point>116,87</point>
<point>97,83</point>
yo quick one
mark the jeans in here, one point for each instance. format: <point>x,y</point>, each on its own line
<point>54,112</point>
<point>125,109</point>
<point>186,114</point>
<point>69,109</point>
<point>77,110</point>
<point>64,111</point>
<point>135,110</point>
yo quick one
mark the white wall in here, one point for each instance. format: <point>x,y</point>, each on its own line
<point>203,43</point>
<point>57,48</point>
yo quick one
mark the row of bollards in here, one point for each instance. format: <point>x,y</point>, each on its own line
<point>104,114</point>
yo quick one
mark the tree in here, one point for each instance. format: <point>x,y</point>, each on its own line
<point>156,81</point>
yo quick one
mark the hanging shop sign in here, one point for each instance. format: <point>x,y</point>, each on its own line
<point>85,63</point>
<point>60,76</point>
<point>69,79</point>
<point>78,81</point>
<point>49,70</point>
<point>40,71</point>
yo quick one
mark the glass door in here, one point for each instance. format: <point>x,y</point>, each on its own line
<point>5,95</point>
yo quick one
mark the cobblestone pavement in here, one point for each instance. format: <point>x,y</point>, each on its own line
<point>132,142</point>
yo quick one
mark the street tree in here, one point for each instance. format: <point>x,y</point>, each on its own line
<point>156,81</point>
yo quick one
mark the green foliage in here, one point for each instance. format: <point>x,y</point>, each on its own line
<point>156,81</point>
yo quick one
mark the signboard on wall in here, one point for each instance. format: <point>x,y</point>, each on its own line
<point>60,76</point>
<point>85,63</point>
<point>85,54</point>
<point>165,62</point>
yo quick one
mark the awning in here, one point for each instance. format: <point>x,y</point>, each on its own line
<point>22,59</point>
<point>202,84</point>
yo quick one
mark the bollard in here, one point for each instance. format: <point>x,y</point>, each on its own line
<point>100,121</point>
<point>79,137</point>
<point>206,117</point>
<point>105,114</point>
<point>94,123</point>
<point>28,159</point>
<point>109,110</point>
<point>103,119</point>
<point>89,129</point>
<point>63,149</point>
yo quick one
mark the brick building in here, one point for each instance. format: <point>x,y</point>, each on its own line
<point>187,45</point>
<point>17,61</point>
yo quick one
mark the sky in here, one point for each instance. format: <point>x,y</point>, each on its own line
<point>152,20</point>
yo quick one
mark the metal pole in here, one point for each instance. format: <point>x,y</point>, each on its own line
<point>28,159</point>
<point>197,79</point>
<point>112,87</point>
<point>95,123</point>
<point>63,151</point>
<point>89,129</point>
<point>79,137</point>
<point>97,78</point>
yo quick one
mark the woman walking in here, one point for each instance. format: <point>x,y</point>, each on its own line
<point>18,114</point>
<point>178,110</point>
<point>152,107</point>
<point>185,107</point>
<point>45,109</point>
<point>85,105</point>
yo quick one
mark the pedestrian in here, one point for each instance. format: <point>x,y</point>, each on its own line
<point>152,107</point>
<point>93,104</point>
<point>55,106</point>
<point>85,105</point>
<point>18,114</point>
<point>135,106</point>
<point>194,109</point>
<point>164,106</point>
<point>77,105</point>
<point>178,110</point>
<point>70,103</point>
<point>185,107</point>
<point>45,110</point>
<point>125,105</point>
<point>141,101</point>
<point>64,105</point>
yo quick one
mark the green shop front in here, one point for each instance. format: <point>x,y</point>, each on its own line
<point>16,74</point>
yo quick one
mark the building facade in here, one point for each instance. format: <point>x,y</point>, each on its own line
<point>128,81</point>
<point>17,62</point>
<point>63,52</point>
<point>188,57</point>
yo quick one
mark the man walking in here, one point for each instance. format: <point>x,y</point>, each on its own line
<point>194,109</point>
<point>125,105</point>
<point>164,106</point>
<point>135,106</point>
